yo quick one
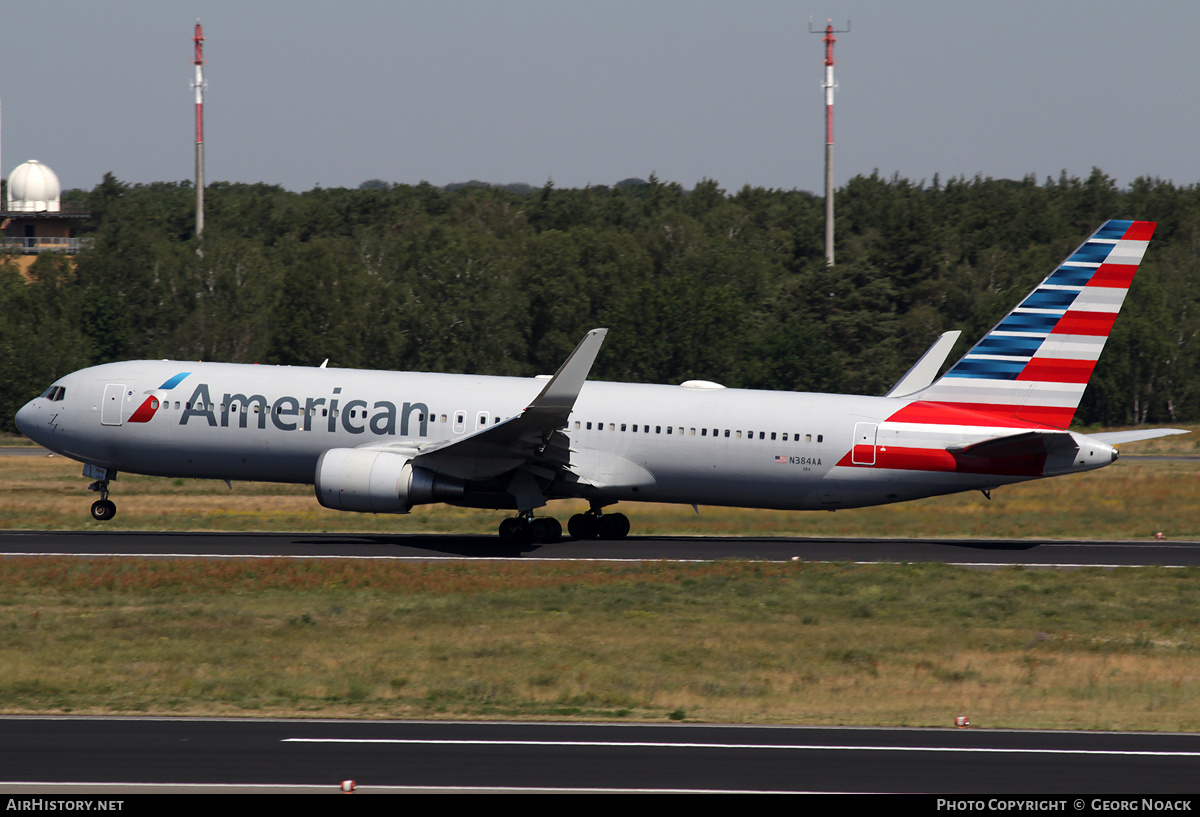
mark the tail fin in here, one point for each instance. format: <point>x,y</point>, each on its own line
<point>1035,364</point>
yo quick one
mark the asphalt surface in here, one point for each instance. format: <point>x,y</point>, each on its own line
<point>246,755</point>
<point>424,546</point>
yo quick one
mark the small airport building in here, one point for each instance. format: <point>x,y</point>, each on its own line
<point>34,219</point>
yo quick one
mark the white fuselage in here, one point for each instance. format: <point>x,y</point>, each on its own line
<point>695,445</point>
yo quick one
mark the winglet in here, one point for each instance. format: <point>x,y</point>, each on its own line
<point>561,390</point>
<point>925,370</point>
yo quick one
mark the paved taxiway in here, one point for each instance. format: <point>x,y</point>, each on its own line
<point>604,757</point>
<point>424,546</point>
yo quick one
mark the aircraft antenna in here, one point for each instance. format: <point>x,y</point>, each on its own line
<point>828,85</point>
<point>198,85</point>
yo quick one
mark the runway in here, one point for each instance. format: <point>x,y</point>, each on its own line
<point>983,552</point>
<point>109,756</point>
<point>315,756</point>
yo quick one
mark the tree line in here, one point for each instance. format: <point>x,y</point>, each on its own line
<point>693,284</point>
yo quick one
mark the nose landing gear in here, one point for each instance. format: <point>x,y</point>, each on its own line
<point>103,509</point>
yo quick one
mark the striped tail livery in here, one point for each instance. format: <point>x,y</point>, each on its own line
<point>1035,364</point>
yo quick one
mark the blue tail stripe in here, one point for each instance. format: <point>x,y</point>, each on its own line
<point>989,369</point>
<point>1090,253</point>
<point>1049,299</point>
<point>1002,345</point>
<point>1113,229</point>
<point>1025,322</point>
<point>1071,276</point>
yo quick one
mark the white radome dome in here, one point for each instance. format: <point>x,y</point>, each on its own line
<point>33,188</point>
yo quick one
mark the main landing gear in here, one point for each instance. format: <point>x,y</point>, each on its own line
<point>546,530</point>
<point>595,525</point>
<point>103,509</point>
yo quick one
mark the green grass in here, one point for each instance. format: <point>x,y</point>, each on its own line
<point>724,642</point>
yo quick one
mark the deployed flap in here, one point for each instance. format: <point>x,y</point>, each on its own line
<point>502,447</point>
<point>925,370</point>
<point>1136,435</point>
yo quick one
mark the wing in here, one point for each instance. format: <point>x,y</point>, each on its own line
<point>534,433</point>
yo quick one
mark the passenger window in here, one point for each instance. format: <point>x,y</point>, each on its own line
<point>820,438</point>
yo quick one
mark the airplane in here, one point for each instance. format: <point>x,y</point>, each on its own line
<point>384,442</point>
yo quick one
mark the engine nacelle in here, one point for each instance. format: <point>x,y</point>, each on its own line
<point>354,479</point>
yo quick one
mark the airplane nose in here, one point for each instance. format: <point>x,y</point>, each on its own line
<point>26,418</point>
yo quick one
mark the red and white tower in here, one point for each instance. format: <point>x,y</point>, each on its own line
<point>828,85</point>
<point>198,85</point>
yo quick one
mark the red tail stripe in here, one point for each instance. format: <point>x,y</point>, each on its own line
<point>959,414</point>
<point>1052,416</point>
<point>1118,276</point>
<point>1054,370</point>
<point>1140,231</point>
<point>1085,323</point>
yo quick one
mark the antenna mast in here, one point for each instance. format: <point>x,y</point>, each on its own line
<point>828,85</point>
<point>198,84</point>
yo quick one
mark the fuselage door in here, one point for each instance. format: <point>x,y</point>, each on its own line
<point>863,452</point>
<point>110,409</point>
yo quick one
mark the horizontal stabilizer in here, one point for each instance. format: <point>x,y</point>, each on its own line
<point>1025,444</point>
<point>1136,435</point>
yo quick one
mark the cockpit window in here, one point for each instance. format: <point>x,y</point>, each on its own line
<point>55,393</point>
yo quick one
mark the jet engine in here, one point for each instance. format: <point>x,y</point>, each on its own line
<point>354,479</point>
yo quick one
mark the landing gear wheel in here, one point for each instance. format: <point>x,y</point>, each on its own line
<point>613,526</point>
<point>103,510</point>
<point>545,530</point>
<point>514,530</point>
<point>582,526</point>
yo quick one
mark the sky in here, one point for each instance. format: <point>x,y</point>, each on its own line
<point>590,92</point>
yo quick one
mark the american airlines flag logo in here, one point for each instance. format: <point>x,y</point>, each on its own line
<point>781,460</point>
